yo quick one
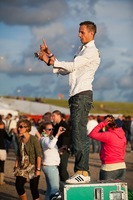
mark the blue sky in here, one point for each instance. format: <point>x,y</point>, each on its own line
<point>23,24</point>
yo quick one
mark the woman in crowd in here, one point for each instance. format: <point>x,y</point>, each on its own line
<point>3,154</point>
<point>28,161</point>
<point>51,158</point>
<point>113,148</point>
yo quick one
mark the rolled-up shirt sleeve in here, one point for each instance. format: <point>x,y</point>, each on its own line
<point>86,58</point>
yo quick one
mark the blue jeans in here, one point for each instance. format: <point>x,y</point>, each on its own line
<point>131,140</point>
<point>80,106</point>
<point>15,143</point>
<point>52,179</point>
<point>115,174</point>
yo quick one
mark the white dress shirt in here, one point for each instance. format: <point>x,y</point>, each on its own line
<point>82,70</point>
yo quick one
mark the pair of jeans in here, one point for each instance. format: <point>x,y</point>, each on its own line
<point>63,173</point>
<point>131,140</point>
<point>15,143</point>
<point>52,180</point>
<point>115,174</point>
<point>80,106</point>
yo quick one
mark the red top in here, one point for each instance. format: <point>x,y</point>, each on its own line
<point>113,143</point>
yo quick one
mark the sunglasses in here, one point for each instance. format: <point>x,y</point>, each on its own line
<point>49,129</point>
<point>22,126</point>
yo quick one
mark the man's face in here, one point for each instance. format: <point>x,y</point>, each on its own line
<point>55,118</point>
<point>85,34</point>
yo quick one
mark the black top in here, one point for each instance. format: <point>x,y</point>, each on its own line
<point>64,138</point>
<point>3,137</point>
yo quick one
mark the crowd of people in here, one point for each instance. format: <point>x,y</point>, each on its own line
<point>51,139</point>
<point>39,145</point>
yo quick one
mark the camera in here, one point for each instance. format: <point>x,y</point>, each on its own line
<point>63,129</point>
<point>36,54</point>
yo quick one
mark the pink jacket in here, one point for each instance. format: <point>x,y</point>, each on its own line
<point>113,143</point>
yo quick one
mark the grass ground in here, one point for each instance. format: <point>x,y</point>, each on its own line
<point>100,107</point>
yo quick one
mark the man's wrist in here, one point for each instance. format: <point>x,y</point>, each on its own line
<point>43,58</point>
<point>48,63</point>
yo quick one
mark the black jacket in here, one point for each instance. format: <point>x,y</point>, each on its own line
<point>64,138</point>
<point>3,137</point>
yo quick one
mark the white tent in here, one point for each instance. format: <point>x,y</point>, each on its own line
<point>34,108</point>
<point>4,110</point>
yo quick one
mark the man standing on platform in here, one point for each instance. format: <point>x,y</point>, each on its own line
<point>81,75</point>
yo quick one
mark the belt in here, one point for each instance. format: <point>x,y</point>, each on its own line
<point>87,92</point>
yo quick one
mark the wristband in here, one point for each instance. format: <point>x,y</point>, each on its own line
<point>38,169</point>
<point>56,137</point>
<point>50,55</point>
<point>49,62</point>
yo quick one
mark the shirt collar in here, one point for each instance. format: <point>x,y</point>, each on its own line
<point>89,44</point>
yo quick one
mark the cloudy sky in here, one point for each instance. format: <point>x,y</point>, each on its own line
<point>24,23</point>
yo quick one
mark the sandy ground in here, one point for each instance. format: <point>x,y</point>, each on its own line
<point>8,191</point>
